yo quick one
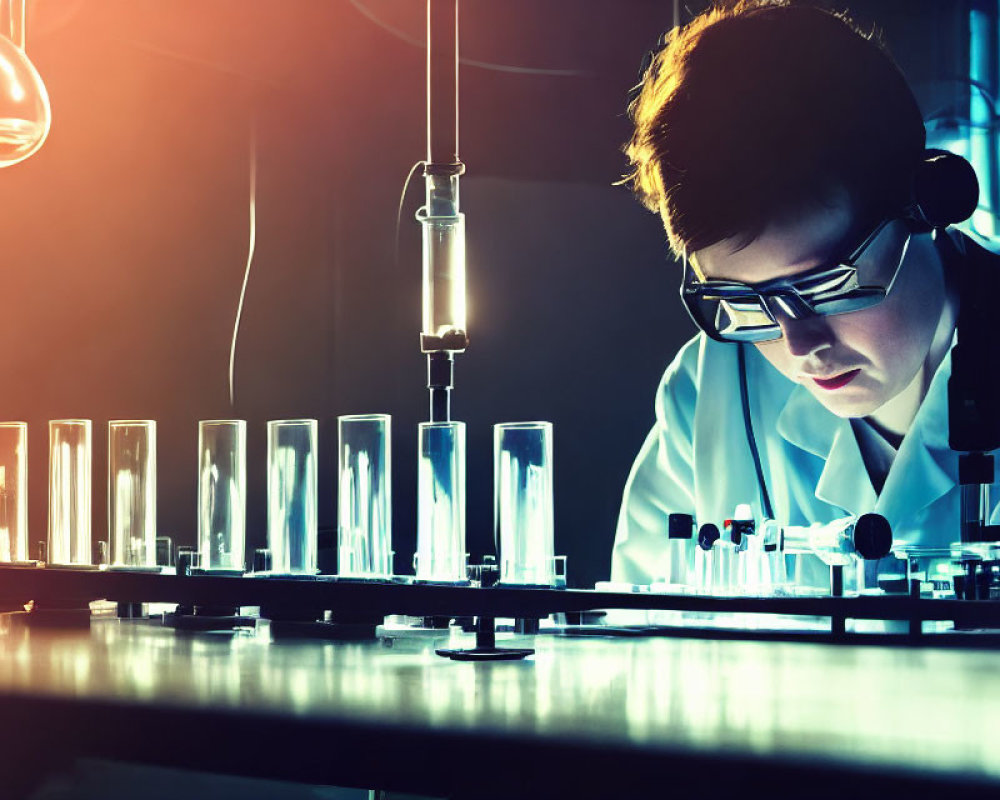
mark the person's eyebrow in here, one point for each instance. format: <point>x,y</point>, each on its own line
<point>832,254</point>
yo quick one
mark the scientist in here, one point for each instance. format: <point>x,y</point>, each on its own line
<point>784,152</point>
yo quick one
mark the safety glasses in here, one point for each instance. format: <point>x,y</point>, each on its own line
<point>730,311</point>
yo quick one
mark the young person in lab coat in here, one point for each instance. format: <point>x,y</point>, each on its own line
<point>785,154</point>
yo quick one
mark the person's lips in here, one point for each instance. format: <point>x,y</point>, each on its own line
<point>836,381</point>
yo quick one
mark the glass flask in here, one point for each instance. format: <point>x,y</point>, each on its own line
<point>69,492</point>
<point>364,530</point>
<point>222,493</point>
<point>13,491</point>
<point>25,113</point>
<point>292,499</point>
<point>522,502</point>
<point>132,492</point>
<point>440,553</point>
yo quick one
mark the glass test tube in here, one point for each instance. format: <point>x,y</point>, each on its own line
<point>13,491</point>
<point>364,531</point>
<point>69,492</point>
<point>222,483</point>
<point>441,502</point>
<point>833,541</point>
<point>522,502</point>
<point>132,492</point>
<point>292,495</point>
<point>443,270</point>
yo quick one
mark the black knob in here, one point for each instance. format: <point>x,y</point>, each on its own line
<point>708,535</point>
<point>872,536</point>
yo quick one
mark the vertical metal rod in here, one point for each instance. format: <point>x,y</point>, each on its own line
<point>440,379</point>
<point>486,638</point>
<point>838,623</point>
<point>442,81</point>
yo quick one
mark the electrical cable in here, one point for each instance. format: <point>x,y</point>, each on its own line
<point>250,253</point>
<point>511,68</point>
<point>765,499</point>
<point>399,211</point>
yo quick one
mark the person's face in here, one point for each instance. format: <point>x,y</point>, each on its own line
<point>853,363</point>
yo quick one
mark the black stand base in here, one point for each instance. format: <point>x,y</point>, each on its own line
<point>486,646</point>
<point>207,618</point>
<point>487,654</point>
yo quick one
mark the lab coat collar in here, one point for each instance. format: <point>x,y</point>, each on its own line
<point>805,423</point>
<point>923,470</point>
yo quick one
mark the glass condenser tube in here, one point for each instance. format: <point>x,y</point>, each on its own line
<point>441,502</point>
<point>222,493</point>
<point>523,512</point>
<point>13,491</point>
<point>69,491</point>
<point>840,542</point>
<point>292,499</point>
<point>443,262</point>
<point>132,492</point>
<point>364,530</point>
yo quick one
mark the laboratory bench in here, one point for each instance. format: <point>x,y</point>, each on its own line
<point>585,716</point>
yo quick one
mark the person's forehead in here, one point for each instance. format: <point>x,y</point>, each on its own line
<point>799,243</point>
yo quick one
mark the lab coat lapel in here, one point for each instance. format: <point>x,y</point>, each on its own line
<point>844,482</point>
<point>925,468</point>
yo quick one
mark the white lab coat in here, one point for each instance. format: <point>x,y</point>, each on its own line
<point>696,460</point>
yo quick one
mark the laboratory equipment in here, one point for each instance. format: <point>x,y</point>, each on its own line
<point>769,536</point>
<point>132,492</point>
<point>444,325</point>
<point>222,482</point>
<point>440,555</point>
<point>292,498</point>
<point>704,558</point>
<point>364,531</point>
<point>25,113</point>
<point>840,542</point>
<point>974,385</point>
<point>69,491</point>
<point>13,491</point>
<point>680,550</point>
<point>522,502</point>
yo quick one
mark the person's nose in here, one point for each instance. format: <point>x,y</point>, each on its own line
<point>805,336</point>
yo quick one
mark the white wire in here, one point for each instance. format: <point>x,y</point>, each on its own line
<point>512,68</point>
<point>399,210</point>
<point>250,252</point>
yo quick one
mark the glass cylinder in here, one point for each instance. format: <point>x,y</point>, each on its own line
<point>441,502</point>
<point>292,498</point>
<point>69,492</point>
<point>13,491</point>
<point>222,493</point>
<point>522,502</point>
<point>443,274</point>
<point>364,531</point>
<point>132,492</point>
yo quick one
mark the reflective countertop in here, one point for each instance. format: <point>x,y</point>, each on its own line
<point>913,709</point>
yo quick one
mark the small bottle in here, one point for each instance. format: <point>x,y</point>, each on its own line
<point>680,550</point>
<point>704,559</point>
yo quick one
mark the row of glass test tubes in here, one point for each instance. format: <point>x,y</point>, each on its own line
<point>523,501</point>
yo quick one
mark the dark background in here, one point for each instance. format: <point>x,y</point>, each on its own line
<point>124,239</point>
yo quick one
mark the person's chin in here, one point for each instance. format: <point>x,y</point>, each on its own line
<point>846,403</point>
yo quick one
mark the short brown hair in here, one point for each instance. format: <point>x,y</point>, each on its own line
<point>756,108</point>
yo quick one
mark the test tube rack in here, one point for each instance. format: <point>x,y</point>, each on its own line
<point>57,588</point>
